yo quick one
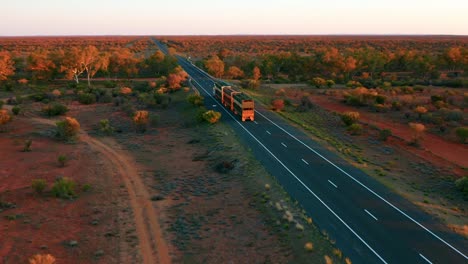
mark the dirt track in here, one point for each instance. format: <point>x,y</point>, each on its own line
<point>153,248</point>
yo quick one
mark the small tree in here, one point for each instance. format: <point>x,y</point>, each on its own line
<point>140,119</point>
<point>417,130</point>
<point>277,104</point>
<point>211,116</point>
<point>350,118</point>
<point>420,110</point>
<point>462,134</point>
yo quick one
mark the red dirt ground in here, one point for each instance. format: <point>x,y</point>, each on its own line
<point>434,146</point>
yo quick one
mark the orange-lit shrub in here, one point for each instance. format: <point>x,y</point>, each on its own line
<point>23,81</point>
<point>350,118</point>
<point>125,90</point>
<point>140,119</point>
<point>417,131</point>
<point>68,128</point>
<point>277,104</point>
<point>4,117</point>
<point>42,259</point>
<point>420,110</point>
<point>211,116</point>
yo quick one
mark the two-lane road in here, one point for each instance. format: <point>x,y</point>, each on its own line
<point>369,223</point>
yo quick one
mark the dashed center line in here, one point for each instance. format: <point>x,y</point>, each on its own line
<point>284,145</point>
<point>375,218</point>
<point>334,185</point>
<point>422,256</point>
<point>269,133</point>
<point>303,160</point>
<point>256,122</point>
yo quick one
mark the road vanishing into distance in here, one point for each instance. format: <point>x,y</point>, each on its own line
<point>369,223</point>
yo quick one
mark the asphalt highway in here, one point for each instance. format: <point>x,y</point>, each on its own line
<point>369,223</point>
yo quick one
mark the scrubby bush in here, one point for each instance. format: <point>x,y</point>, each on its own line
<point>350,118</point>
<point>355,129</point>
<point>454,115</point>
<point>105,127</point>
<point>55,109</point>
<point>462,134</point>
<point>4,117</point>
<point>195,99</point>
<point>353,84</point>
<point>42,259</point>
<point>140,119</point>
<point>420,110</point>
<point>330,83</point>
<point>277,104</point>
<point>125,91</point>
<point>38,185</point>
<point>211,116</point>
<point>417,131</point>
<point>16,110</point>
<point>27,145</point>
<point>87,98</point>
<point>384,134</point>
<point>396,106</point>
<point>462,184</point>
<point>68,128</point>
<point>309,246</point>
<point>318,82</point>
<point>62,160</point>
<point>64,188</point>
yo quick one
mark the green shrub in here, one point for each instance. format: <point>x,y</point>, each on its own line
<point>55,109</point>
<point>380,99</point>
<point>462,184</point>
<point>64,188</point>
<point>87,98</point>
<point>39,185</point>
<point>396,106</point>
<point>462,133</point>
<point>384,134</point>
<point>86,187</point>
<point>350,118</point>
<point>454,115</point>
<point>330,83</point>
<point>211,116</point>
<point>110,84</point>
<point>195,99</point>
<point>355,129</point>
<point>16,110</point>
<point>62,160</point>
<point>105,127</point>
<point>199,114</point>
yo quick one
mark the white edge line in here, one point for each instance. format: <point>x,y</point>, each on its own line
<point>375,218</point>
<point>305,161</point>
<point>334,185</point>
<point>269,133</point>
<point>294,175</point>
<point>370,190</point>
<point>422,256</point>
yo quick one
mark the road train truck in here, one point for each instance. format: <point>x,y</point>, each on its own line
<point>238,102</point>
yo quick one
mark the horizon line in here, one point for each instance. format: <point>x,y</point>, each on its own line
<point>240,35</point>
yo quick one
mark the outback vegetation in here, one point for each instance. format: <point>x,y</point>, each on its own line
<point>88,123</point>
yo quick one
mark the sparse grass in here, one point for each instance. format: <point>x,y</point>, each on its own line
<point>62,160</point>
<point>64,188</point>
<point>27,145</point>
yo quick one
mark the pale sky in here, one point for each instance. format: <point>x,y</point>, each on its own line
<point>221,17</point>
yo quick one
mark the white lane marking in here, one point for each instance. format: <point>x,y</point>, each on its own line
<point>305,161</point>
<point>256,122</point>
<point>297,178</point>
<point>375,218</point>
<point>334,185</point>
<point>269,133</point>
<point>214,105</point>
<point>367,188</point>
<point>422,256</point>
<point>284,145</point>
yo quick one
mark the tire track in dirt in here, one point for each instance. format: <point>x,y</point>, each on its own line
<point>153,247</point>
